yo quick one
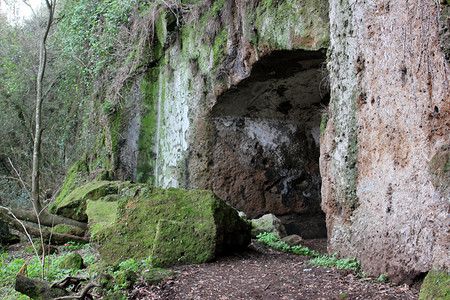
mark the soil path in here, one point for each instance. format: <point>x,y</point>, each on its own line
<point>261,273</point>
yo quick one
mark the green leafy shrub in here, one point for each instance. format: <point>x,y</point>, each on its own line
<point>129,265</point>
<point>335,262</point>
<point>72,246</point>
<point>9,266</point>
<point>270,240</point>
<point>382,278</point>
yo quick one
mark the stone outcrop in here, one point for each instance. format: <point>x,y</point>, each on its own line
<point>383,153</point>
<point>171,130</point>
<point>234,102</point>
<point>173,226</point>
<point>268,223</point>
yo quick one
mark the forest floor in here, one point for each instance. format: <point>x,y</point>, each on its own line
<point>257,273</point>
<point>264,273</point>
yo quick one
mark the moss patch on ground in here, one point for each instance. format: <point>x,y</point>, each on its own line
<point>435,286</point>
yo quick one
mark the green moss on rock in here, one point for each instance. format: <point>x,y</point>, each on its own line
<point>76,176</point>
<point>72,261</point>
<point>74,204</point>
<point>153,276</point>
<point>68,229</point>
<point>175,244</point>
<point>125,278</point>
<point>102,214</point>
<point>435,286</point>
<point>175,226</point>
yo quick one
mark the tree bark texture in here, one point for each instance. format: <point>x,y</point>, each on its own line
<point>38,112</point>
<point>38,289</point>
<point>47,234</point>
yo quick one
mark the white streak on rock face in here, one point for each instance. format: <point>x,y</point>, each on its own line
<point>268,135</point>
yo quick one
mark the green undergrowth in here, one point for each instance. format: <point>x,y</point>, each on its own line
<point>335,262</point>
<point>114,280</point>
<point>270,240</point>
<point>319,260</point>
<point>10,264</point>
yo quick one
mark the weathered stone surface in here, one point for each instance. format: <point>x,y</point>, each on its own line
<point>266,151</point>
<point>292,240</point>
<point>382,150</point>
<point>173,226</point>
<point>153,276</point>
<point>173,147</point>
<point>268,223</point>
<point>389,116</point>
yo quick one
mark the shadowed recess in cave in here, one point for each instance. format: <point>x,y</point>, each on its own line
<point>266,145</point>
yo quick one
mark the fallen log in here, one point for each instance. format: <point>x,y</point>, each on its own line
<point>38,289</point>
<point>41,289</point>
<point>56,238</point>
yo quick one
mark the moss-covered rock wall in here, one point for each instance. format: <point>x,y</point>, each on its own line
<point>198,55</point>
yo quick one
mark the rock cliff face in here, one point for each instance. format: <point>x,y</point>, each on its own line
<point>236,101</point>
<point>234,105</point>
<point>389,121</point>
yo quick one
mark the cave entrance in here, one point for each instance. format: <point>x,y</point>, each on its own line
<point>266,146</point>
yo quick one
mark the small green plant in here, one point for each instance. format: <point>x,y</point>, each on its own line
<point>272,241</point>
<point>147,261</point>
<point>335,262</point>
<point>72,246</point>
<point>382,278</point>
<point>129,265</point>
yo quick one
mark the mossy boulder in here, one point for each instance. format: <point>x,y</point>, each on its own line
<point>153,276</point>
<point>173,226</point>
<point>72,261</point>
<point>268,223</point>
<point>435,286</point>
<point>73,205</point>
<point>125,278</point>
<point>68,229</point>
<point>105,280</point>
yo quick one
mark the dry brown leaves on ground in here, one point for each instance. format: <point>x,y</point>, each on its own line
<point>261,273</point>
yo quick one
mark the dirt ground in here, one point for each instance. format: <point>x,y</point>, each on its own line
<point>261,273</point>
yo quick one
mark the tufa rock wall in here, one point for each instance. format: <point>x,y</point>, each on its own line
<point>384,154</point>
<point>192,120</point>
<point>172,131</point>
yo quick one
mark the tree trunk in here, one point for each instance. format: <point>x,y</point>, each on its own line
<point>38,113</point>
<point>55,238</point>
<point>46,218</point>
